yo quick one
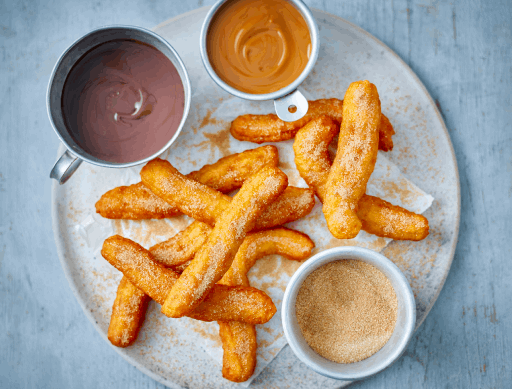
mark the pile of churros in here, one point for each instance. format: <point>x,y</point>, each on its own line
<point>202,271</point>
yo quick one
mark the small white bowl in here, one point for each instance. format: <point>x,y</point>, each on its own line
<point>386,356</point>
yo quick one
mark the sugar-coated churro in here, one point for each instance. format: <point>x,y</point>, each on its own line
<point>229,173</point>
<point>128,313</point>
<point>191,197</point>
<point>269,128</point>
<point>378,217</point>
<point>134,202</point>
<point>293,204</point>
<point>183,246</point>
<point>216,255</point>
<point>239,339</point>
<point>384,219</point>
<point>354,161</point>
<point>311,153</point>
<point>206,204</point>
<point>137,202</point>
<point>224,303</point>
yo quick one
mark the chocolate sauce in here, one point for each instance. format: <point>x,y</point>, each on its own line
<point>123,101</point>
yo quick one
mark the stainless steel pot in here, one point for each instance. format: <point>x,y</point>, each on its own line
<point>285,98</point>
<point>75,155</point>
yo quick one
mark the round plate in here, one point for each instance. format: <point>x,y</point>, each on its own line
<point>422,151</point>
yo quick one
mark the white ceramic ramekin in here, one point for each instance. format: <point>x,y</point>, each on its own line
<point>385,357</point>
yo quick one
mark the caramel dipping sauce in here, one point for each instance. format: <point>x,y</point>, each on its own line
<point>258,46</point>
<point>123,101</point>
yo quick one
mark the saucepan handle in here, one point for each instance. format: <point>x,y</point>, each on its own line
<point>291,107</point>
<point>65,167</point>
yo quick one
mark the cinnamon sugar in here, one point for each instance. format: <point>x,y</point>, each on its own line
<point>346,310</point>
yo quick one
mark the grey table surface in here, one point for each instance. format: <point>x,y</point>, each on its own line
<point>462,51</point>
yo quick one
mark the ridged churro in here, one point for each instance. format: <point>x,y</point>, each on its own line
<point>216,255</point>
<point>128,313</point>
<point>245,304</point>
<point>269,128</point>
<point>137,202</point>
<point>239,339</point>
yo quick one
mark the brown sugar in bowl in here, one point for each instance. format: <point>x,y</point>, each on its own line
<point>358,361</point>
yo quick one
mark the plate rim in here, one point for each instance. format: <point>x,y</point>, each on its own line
<point>171,384</point>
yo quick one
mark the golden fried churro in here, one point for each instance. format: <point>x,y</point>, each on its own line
<point>217,254</point>
<point>224,303</point>
<point>239,339</point>
<point>137,202</point>
<point>355,159</point>
<point>229,173</point>
<point>239,345</point>
<point>292,205</point>
<point>181,247</point>
<point>205,204</point>
<point>191,197</point>
<point>386,132</point>
<point>311,153</point>
<point>269,128</point>
<point>128,314</point>
<point>283,241</point>
<point>391,221</point>
<point>378,217</point>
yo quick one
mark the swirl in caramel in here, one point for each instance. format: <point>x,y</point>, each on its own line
<point>258,46</point>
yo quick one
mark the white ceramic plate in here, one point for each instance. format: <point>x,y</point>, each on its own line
<point>422,151</point>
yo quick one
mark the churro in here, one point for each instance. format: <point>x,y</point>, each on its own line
<point>216,255</point>
<point>229,173</point>
<point>128,313</point>
<point>269,128</point>
<point>293,204</point>
<point>224,303</point>
<point>207,205</point>
<point>137,202</point>
<point>190,197</point>
<point>384,219</point>
<point>312,155</point>
<point>239,339</point>
<point>354,161</point>
<point>378,217</point>
<point>183,246</point>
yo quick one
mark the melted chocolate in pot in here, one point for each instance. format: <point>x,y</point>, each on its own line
<point>123,101</point>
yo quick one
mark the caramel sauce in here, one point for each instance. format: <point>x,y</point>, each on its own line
<point>258,46</point>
